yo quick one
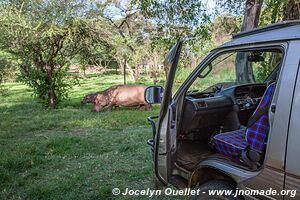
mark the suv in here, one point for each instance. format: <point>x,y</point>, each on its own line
<point>234,122</point>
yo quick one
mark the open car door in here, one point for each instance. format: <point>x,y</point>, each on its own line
<point>166,130</point>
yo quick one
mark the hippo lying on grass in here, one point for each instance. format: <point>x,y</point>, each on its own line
<point>119,95</point>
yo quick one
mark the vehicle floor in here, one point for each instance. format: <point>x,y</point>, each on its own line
<point>190,153</point>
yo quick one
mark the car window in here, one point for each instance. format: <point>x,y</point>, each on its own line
<point>230,69</point>
<point>261,70</point>
<point>223,74</point>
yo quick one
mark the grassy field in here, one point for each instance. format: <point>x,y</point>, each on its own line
<point>71,153</point>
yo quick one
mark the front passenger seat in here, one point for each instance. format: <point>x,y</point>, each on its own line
<point>248,144</point>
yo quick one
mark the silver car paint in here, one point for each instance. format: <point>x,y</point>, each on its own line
<point>292,168</point>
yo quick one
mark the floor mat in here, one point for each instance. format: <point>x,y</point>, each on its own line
<point>190,153</point>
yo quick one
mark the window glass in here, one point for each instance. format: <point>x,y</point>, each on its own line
<point>237,68</point>
<point>262,70</point>
<point>222,74</point>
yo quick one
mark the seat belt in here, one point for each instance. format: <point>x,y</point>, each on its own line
<point>254,118</point>
<point>246,160</point>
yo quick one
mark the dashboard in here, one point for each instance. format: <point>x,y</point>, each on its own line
<point>249,96</point>
<point>210,110</point>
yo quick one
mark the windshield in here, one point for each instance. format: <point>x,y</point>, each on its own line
<point>236,68</point>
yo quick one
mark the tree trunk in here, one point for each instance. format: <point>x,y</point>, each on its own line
<point>292,10</point>
<point>84,73</point>
<point>124,71</point>
<point>137,73</point>
<point>131,72</point>
<point>51,90</point>
<point>244,71</point>
<point>251,14</point>
<point>52,98</point>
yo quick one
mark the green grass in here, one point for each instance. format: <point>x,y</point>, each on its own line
<point>71,153</point>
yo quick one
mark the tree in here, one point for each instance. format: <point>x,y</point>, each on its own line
<point>251,15</point>
<point>280,10</point>
<point>185,19</point>
<point>244,70</point>
<point>128,35</point>
<point>292,10</point>
<point>230,7</point>
<point>44,43</point>
<point>274,11</point>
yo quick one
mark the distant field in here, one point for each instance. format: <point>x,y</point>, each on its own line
<point>71,153</point>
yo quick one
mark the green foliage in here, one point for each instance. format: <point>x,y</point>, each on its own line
<point>232,7</point>
<point>261,72</point>
<point>273,11</point>
<point>187,12</point>
<point>7,67</point>
<point>61,83</point>
<point>8,70</point>
<point>176,19</point>
<point>224,26</point>
<point>44,47</point>
<point>279,10</point>
<point>263,69</point>
<point>48,36</point>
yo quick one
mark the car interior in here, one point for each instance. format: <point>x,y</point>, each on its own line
<point>225,115</point>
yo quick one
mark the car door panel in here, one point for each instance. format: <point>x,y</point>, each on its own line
<point>165,134</point>
<point>292,181</point>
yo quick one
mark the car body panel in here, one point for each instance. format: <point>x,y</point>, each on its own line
<point>283,96</point>
<point>293,147</point>
<point>288,31</point>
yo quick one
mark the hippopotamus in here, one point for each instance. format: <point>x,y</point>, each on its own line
<point>119,95</point>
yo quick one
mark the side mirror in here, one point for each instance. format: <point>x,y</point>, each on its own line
<point>154,94</point>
